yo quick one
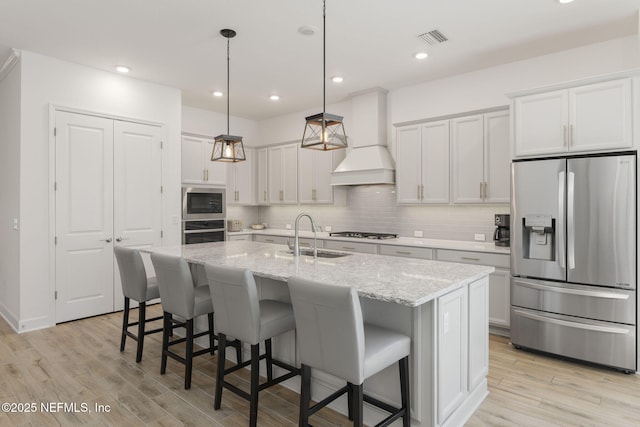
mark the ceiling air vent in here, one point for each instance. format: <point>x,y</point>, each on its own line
<point>433,37</point>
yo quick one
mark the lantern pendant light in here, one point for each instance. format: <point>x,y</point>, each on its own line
<point>324,131</point>
<point>228,148</point>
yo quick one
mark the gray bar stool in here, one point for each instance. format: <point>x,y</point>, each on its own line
<point>181,298</point>
<point>240,314</point>
<point>135,286</point>
<point>333,338</point>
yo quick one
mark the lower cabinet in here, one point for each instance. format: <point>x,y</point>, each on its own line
<point>367,248</point>
<point>236,237</point>
<point>463,347</point>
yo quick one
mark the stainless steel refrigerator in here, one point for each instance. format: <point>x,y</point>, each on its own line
<point>573,257</point>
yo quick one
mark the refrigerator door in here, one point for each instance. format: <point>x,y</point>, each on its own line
<point>538,204</point>
<point>601,221</point>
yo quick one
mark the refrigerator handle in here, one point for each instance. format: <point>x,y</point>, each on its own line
<point>560,231</point>
<point>571,250</point>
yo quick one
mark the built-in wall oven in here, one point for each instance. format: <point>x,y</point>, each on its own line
<point>203,215</point>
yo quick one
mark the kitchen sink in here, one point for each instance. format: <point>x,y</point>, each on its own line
<point>321,253</point>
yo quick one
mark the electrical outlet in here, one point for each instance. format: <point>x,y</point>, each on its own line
<point>480,237</point>
<point>417,233</point>
<point>445,322</point>
<point>327,228</point>
<point>288,226</point>
<point>15,223</point>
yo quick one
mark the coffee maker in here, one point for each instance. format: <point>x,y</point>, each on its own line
<point>501,235</point>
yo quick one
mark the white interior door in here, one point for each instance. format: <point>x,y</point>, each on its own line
<point>137,197</point>
<point>84,216</point>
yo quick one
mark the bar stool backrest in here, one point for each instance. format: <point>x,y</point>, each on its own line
<point>235,302</point>
<point>132,273</point>
<point>175,284</point>
<point>330,329</point>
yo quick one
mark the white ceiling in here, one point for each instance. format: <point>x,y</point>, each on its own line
<point>369,42</point>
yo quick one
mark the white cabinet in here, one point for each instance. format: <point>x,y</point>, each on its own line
<point>314,177</point>
<point>241,180</point>
<point>478,344</point>
<point>262,174</point>
<point>480,158</point>
<point>278,240</point>
<point>239,237</point>
<point>584,118</point>
<point>499,281</point>
<point>197,167</point>
<point>338,245</point>
<point>283,174</point>
<point>422,157</point>
<point>406,251</point>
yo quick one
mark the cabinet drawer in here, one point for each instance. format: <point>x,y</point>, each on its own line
<point>307,242</point>
<point>406,251</point>
<point>467,257</point>
<point>245,237</point>
<point>366,248</point>
<point>278,240</point>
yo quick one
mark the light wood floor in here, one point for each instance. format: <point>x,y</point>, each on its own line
<point>79,362</point>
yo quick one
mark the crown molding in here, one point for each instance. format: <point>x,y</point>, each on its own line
<point>9,63</point>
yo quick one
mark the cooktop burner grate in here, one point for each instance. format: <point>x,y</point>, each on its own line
<point>364,235</point>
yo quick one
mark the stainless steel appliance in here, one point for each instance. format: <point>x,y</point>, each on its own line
<point>363,235</point>
<point>203,203</point>
<point>573,257</point>
<point>501,235</point>
<point>203,231</point>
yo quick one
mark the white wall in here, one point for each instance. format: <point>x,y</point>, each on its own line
<point>210,123</point>
<point>47,81</point>
<point>9,195</point>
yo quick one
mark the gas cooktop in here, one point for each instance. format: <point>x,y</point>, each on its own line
<point>364,235</point>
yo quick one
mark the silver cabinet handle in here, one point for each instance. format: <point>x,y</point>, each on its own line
<point>348,248</point>
<point>403,253</point>
<point>481,189</point>
<point>418,191</point>
<point>570,135</point>
<point>108,240</point>
<point>564,135</point>
<point>421,192</point>
<point>265,195</point>
<point>470,259</point>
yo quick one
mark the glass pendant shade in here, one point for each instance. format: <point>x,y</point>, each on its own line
<point>324,132</point>
<point>228,148</point>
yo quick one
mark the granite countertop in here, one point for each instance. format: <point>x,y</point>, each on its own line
<point>458,245</point>
<point>405,281</point>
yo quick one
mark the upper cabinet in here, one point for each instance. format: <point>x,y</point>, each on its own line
<point>314,176</point>
<point>591,117</point>
<point>422,163</point>
<point>241,180</point>
<point>480,158</point>
<point>197,167</point>
<point>283,174</point>
<point>262,175</point>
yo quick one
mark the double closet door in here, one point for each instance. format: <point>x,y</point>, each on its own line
<point>107,193</point>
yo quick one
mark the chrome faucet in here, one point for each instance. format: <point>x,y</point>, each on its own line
<point>296,243</point>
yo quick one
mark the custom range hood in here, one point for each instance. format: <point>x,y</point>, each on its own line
<point>368,160</point>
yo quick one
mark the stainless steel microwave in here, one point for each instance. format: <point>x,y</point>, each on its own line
<point>203,203</point>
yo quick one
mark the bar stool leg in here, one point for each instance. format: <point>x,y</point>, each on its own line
<point>305,395</point>
<point>358,391</point>
<point>350,400</point>
<point>188,355</point>
<point>142,316</point>
<point>405,390</point>
<point>212,344</point>
<point>166,328</point>
<point>222,345</point>
<point>268,351</point>
<point>125,323</point>
<point>238,345</point>
<point>255,382</point>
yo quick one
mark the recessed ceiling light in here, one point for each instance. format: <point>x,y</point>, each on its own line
<point>564,1</point>
<point>307,30</point>
<point>216,93</point>
<point>122,69</point>
<point>421,55</point>
<point>337,79</point>
<point>274,97</point>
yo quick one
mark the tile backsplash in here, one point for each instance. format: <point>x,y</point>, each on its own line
<point>373,208</point>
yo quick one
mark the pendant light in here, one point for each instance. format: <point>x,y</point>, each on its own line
<point>324,131</point>
<point>228,148</point>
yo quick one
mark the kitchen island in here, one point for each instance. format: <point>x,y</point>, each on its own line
<point>442,306</point>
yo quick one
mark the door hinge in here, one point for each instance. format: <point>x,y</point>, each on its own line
<point>55,295</point>
<point>161,234</point>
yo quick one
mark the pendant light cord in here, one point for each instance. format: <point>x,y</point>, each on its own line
<point>228,86</point>
<point>324,57</point>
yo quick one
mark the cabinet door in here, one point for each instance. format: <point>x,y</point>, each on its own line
<point>408,165</point>
<point>600,116</point>
<point>262,176</point>
<point>215,173</point>
<point>290,173</point>
<point>192,170</point>
<point>435,162</point>
<point>541,123</point>
<point>452,350</point>
<point>499,298</point>
<point>497,158</point>
<point>276,173</point>
<point>307,180</point>
<point>245,179</point>
<point>478,346</point>
<point>467,150</point>
<point>323,191</point>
